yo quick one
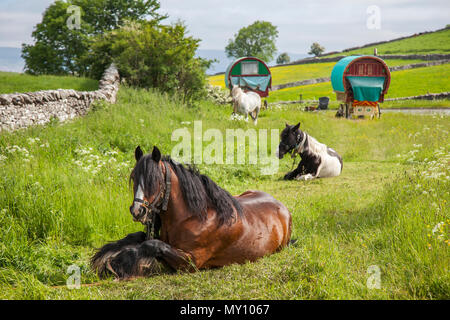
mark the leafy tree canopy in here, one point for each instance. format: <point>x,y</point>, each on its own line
<point>316,49</point>
<point>283,58</point>
<point>257,39</point>
<point>59,50</point>
<point>152,56</point>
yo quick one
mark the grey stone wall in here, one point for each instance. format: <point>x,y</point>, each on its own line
<point>20,110</point>
<point>300,83</point>
<point>429,96</point>
<point>419,65</point>
<point>427,57</point>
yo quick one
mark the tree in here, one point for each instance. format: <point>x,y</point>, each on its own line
<point>60,50</point>
<point>258,40</point>
<point>283,58</point>
<point>150,55</point>
<point>316,49</point>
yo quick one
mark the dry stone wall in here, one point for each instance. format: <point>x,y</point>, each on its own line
<point>20,110</point>
<point>429,96</point>
<point>426,57</point>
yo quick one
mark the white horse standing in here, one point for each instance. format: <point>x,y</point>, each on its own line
<point>246,103</point>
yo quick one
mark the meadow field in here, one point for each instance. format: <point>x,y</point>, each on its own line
<point>404,83</point>
<point>292,73</point>
<point>64,192</point>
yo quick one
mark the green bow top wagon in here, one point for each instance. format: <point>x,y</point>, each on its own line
<point>361,83</point>
<point>251,74</point>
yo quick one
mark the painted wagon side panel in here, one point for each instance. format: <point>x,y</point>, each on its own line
<point>337,73</point>
<point>366,88</point>
<point>361,82</point>
<point>359,66</point>
<point>249,72</point>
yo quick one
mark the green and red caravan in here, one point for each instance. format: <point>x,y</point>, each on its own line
<point>361,83</point>
<point>249,73</point>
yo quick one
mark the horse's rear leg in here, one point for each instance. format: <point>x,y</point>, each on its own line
<point>174,258</point>
<point>255,119</point>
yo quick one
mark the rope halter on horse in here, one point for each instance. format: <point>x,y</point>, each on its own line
<point>148,210</point>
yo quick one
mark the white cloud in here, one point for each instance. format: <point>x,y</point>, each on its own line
<point>16,28</point>
<point>17,20</point>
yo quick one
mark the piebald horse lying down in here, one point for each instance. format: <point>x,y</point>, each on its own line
<point>197,224</point>
<point>318,161</point>
<point>246,103</point>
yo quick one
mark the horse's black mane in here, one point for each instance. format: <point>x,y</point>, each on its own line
<point>199,191</point>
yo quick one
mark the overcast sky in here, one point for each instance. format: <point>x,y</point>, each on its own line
<point>336,24</point>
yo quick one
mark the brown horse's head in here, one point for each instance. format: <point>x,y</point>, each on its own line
<point>198,192</point>
<point>290,138</point>
<point>148,183</point>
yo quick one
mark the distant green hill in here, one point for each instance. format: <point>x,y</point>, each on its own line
<point>435,42</point>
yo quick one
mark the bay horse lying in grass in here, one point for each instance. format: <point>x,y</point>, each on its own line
<point>318,160</point>
<point>198,224</point>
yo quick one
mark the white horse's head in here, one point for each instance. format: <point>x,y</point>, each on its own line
<point>236,91</point>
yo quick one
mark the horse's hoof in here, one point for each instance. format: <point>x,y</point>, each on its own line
<point>287,177</point>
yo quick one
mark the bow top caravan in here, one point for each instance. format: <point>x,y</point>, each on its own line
<point>249,73</point>
<point>361,83</point>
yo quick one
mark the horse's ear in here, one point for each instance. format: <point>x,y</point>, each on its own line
<point>138,153</point>
<point>296,126</point>
<point>156,154</point>
<point>287,125</point>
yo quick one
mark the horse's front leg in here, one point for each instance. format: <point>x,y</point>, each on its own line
<point>294,173</point>
<point>174,258</point>
<point>305,177</point>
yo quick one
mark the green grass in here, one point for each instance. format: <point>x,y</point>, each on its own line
<point>403,84</point>
<point>432,43</point>
<point>56,209</point>
<point>11,82</point>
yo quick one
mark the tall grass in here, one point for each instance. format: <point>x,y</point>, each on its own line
<point>64,191</point>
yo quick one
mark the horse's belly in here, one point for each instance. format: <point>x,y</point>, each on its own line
<point>331,167</point>
<point>265,229</point>
<point>249,104</point>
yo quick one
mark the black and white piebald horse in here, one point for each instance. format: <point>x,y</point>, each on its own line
<point>317,160</point>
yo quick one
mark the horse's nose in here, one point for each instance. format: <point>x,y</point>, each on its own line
<point>279,154</point>
<point>133,212</point>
